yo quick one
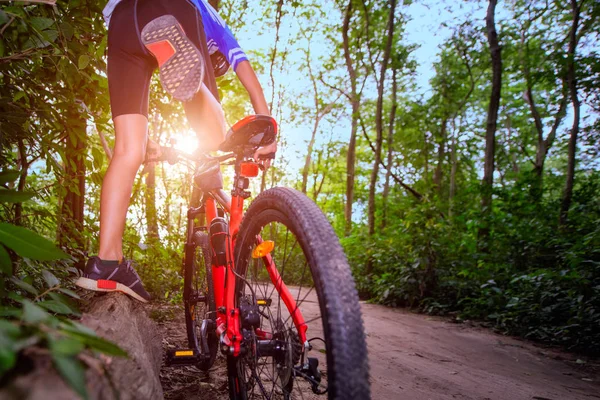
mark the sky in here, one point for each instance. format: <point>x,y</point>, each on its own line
<point>424,29</point>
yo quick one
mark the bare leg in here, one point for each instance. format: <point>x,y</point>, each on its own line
<point>206,117</point>
<point>129,153</point>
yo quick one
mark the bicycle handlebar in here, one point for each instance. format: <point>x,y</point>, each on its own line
<point>172,156</point>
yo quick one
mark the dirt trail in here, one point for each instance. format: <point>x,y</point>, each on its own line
<point>416,357</point>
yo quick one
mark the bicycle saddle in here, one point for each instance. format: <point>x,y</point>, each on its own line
<point>253,131</point>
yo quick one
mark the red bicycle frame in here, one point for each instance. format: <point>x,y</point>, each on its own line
<point>224,279</point>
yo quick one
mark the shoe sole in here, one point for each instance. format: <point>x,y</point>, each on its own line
<point>180,63</point>
<point>102,285</point>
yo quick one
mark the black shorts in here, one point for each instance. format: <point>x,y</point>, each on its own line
<point>130,64</point>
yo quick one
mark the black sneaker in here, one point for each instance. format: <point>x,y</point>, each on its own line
<point>113,278</point>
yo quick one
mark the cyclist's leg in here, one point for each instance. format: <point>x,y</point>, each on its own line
<point>128,155</point>
<point>204,112</point>
<point>205,115</point>
<point>129,72</point>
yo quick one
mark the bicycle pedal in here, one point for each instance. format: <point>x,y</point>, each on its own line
<point>182,357</point>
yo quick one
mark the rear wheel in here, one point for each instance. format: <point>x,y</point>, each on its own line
<point>199,303</point>
<point>310,260</point>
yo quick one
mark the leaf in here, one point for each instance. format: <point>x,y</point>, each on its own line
<point>25,286</point>
<point>8,356</point>
<point>55,307</point>
<point>67,30</point>
<point>17,96</point>
<point>29,244</point>
<point>98,157</point>
<point>73,372</point>
<point>41,23</point>
<point>3,17</point>
<point>12,196</point>
<point>50,36</point>
<point>10,312</point>
<point>84,61</point>
<point>95,342</point>
<point>76,326</point>
<point>9,329</point>
<point>15,296</point>
<point>46,38</point>
<point>69,292</point>
<point>61,298</point>
<point>9,176</point>
<point>50,279</point>
<point>33,314</point>
<point>65,346</point>
<point>5,261</point>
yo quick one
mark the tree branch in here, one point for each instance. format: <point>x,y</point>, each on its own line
<point>399,181</point>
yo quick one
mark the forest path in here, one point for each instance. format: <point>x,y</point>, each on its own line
<point>417,357</point>
<point>414,356</point>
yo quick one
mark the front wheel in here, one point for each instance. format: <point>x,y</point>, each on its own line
<point>311,263</point>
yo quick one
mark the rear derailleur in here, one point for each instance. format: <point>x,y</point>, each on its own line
<point>310,371</point>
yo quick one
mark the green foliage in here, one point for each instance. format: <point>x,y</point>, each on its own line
<point>28,244</point>
<point>538,282</point>
<point>42,317</point>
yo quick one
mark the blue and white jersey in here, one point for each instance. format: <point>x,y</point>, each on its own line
<point>218,35</point>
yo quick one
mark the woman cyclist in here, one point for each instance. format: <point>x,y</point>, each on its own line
<point>178,37</point>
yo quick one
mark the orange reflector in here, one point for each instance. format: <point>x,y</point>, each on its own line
<point>184,353</point>
<point>249,169</point>
<point>263,249</point>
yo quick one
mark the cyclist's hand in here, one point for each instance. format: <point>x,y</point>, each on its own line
<point>266,163</point>
<point>153,150</point>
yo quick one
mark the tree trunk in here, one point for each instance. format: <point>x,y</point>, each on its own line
<point>151,217</point>
<point>438,173</point>
<point>326,169</point>
<point>490,133</point>
<point>572,82</point>
<point>390,154</point>
<point>543,144</point>
<point>319,114</point>
<point>150,192</point>
<point>354,99</point>
<point>114,317</point>
<point>22,178</point>
<point>379,118</point>
<point>307,161</point>
<point>453,171</point>
<point>71,219</point>
<point>214,4</point>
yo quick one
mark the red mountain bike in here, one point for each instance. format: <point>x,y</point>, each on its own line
<point>269,287</point>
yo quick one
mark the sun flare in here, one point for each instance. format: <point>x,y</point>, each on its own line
<point>185,141</point>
